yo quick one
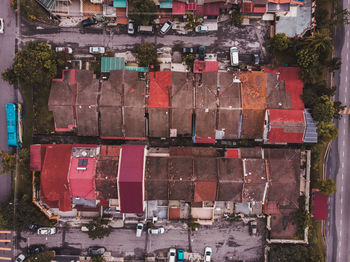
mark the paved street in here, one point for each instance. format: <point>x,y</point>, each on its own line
<point>338,217</point>
<point>249,39</point>
<point>229,240</point>
<point>7,92</point>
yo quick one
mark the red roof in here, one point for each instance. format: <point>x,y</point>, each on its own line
<point>205,191</point>
<point>174,212</point>
<point>205,66</point>
<point>294,86</point>
<point>35,157</point>
<point>179,8</point>
<point>210,9</point>
<point>247,7</point>
<point>259,9</point>
<point>319,206</point>
<point>271,208</point>
<point>232,153</point>
<point>82,178</point>
<point>130,179</point>
<point>159,89</point>
<point>54,182</point>
<point>286,126</point>
<point>191,6</point>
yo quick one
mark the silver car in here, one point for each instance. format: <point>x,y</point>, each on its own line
<point>96,50</point>
<point>131,29</point>
<point>156,230</point>
<point>1,26</point>
<point>47,231</point>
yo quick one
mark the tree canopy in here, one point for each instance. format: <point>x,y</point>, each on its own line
<point>98,228</point>
<point>143,12</point>
<point>326,132</point>
<point>280,42</point>
<point>328,186</point>
<point>35,65</point>
<point>323,110</point>
<point>147,54</point>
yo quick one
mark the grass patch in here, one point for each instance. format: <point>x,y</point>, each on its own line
<point>27,115</point>
<point>43,118</point>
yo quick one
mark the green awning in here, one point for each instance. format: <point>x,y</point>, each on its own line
<point>136,68</point>
<point>119,3</point>
<point>166,4</point>
<point>112,63</point>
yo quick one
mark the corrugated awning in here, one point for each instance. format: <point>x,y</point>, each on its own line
<point>112,63</point>
<point>166,4</point>
<point>119,3</point>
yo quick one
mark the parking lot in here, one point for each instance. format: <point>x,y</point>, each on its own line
<point>229,241</point>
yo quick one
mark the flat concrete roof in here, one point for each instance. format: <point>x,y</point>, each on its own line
<point>206,92</point>
<point>62,90</point>
<point>283,225</point>
<point>181,120</point>
<point>253,192</point>
<point>205,169</point>
<point>253,90</point>
<point>251,152</point>
<point>134,89</point>
<point>87,88</point>
<point>111,91</point>
<point>230,170</point>
<point>253,123</point>
<point>230,93</point>
<point>230,191</point>
<point>63,116</point>
<point>111,121</point>
<point>156,178</point>
<point>180,168</point>
<point>205,123</point>
<point>255,171</point>
<point>228,121</point>
<point>87,121</point>
<point>181,91</point>
<point>158,122</point>
<point>134,122</point>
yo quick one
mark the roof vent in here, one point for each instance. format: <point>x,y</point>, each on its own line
<point>84,153</point>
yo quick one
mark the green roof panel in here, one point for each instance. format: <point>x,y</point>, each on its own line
<point>112,63</point>
<point>119,3</point>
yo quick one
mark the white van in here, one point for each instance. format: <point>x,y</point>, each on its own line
<point>172,255</point>
<point>166,27</point>
<point>139,229</point>
<point>234,56</point>
<point>145,29</point>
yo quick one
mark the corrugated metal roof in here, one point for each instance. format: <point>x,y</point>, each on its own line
<point>119,3</point>
<point>319,206</point>
<point>35,157</point>
<point>130,182</point>
<point>112,63</point>
<point>166,4</point>
<point>310,135</point>
<point>136,68</point>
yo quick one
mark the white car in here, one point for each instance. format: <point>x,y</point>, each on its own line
<point>201,29</point>
<point>172,255</point>
<point>139,229</point>
<point>156,230</point>
<point>20,258</point>
<point>131,29</point>
<point>166,27</point>
<point>253,225</point>
<point>64,49</point>
<point>96,50</point>
<point>46,231</point>
<point>1,26</point>
<point>207,254</point>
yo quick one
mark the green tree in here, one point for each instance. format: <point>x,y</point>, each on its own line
<point>236,17</point>
<point>9,76</point>
<point>320,43</point>
<point>306,59</point>
<point>328,186</point>
<point>143,12</point>
<point>338,107</point>
<point>280,42</point>
<point>340,17</point>
<point>9,161</point>
<point>193,21</point>
<point>323,110</point>
<point>35,65</point>
<point>147,54</point>
<point>189,60</point>
<point>326,132</point>
<point>98,228</point>
<point>97,258</point>
<point>334,64</point>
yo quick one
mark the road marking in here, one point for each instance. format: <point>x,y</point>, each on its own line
<point>347,55</point>
<point>341,212</point>
<point>5,240</point>
<point>347,33</point>
<point>345,97</point>
<point>347,44</point>
<point>343,133</point>
<point>5,248</point>
<point>343,151</point>
<point>343,143</point>
<point>5,232</point>
<point>346,78</point>
<point>5,258</point>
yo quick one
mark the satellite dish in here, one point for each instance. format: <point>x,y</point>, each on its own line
<point>84,153</point>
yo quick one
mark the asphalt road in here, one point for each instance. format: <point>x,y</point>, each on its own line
<point>338,168</point>
<point>7,92</point>
<point>227,239</point>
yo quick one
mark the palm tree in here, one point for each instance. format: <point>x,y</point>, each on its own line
<point>320,42</point>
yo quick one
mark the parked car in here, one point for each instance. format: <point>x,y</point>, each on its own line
<point>139,229</point>
<point>201,52</point>
<point>97,50</point>
<point>84,229</point>
<point>256,59</point>
<point>46,231</point>
<point>131,29</point>
<point>253,227</point>
<point>96,250</point>
<point>146,29</point>
<point>89,21</point>
<point>172,255</point>
<point>234,56</point>
<point>207,254</point>
<point>188,50</point>
<point>35,249</point>
<point>201,29</point>
<point>2,26</point>
<point>64,49</point>
<point>180,255</point>
<point>156,230</point>
<point>166,27</point>
<point>20,258</point>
